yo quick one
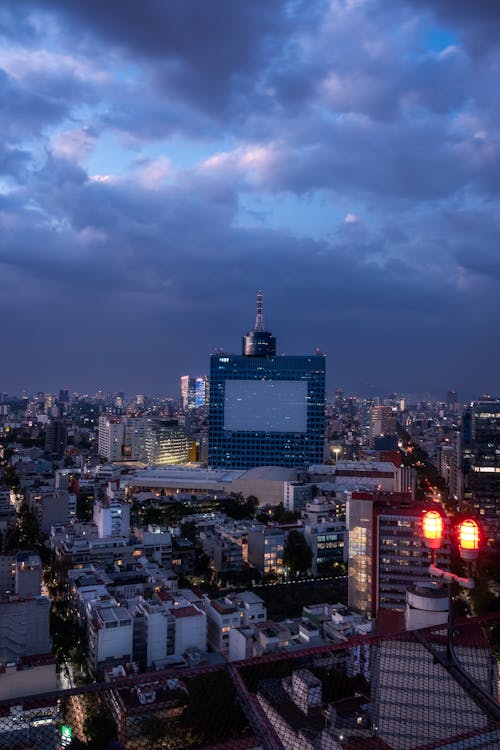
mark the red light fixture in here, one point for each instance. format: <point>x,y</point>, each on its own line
<point>432,525</point>
<point>468,535</point>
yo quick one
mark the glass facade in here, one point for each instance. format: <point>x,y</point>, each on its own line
<point>482,452</point>
<point>166,444</point>
<point>244,448</point>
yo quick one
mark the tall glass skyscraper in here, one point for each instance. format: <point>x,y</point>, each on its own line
<point>481,431</point>
<point>266,409</point>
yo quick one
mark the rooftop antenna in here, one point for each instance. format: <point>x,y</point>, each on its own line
<point>259,321</point>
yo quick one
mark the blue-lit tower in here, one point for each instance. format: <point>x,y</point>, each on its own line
<point>266,409</point>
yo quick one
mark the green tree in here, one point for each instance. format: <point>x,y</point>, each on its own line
<point>188,531</point>
<point>98,725</point>
<point>297,554</point>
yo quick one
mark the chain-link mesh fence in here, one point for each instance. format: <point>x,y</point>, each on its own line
<point>404,692</point>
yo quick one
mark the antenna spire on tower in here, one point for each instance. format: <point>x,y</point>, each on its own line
<point>259,321</point>
<point>258,342</point>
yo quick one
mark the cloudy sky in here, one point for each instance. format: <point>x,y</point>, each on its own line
<point>161,161</point>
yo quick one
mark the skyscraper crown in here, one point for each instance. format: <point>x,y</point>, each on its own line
<point>259,342</point>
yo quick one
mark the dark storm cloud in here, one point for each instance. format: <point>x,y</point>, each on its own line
<point>337,108</point>
<point>114,237</point>
<point>406,162</point>
<point>39,95</point>
<point>478,22</point>
<point>13,161</point>
<point>24,112</point>
<point>200,52</point>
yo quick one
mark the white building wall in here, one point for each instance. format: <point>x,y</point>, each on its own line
<point>157,629</point>
<point>112,518</point>
<point>115,641</point>
<point>240,644</point>
<point>190,632</point>
<point>111,438</point>
<point>40,678</point>
<point>24,627</point>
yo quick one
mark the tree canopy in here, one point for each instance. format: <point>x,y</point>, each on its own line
<point>297,554</point>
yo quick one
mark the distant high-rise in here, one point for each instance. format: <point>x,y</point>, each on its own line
<point>193,392</point>
<point>200,392</point>
<point>56,437</point>
<point>187,392</point>
<point>266,409</point>
<point>449,464</point>
<point>382,422</point>
<point>64,396</point>
<point>111,437</point>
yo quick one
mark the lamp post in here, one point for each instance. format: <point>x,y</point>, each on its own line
<point>468,536</point>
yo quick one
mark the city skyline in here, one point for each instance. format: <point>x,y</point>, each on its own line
<point>157,172</point>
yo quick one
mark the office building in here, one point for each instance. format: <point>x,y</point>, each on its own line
<point>50,506</point>
<point>225,554</point>
<point>56,437</point>
<point>327,542</point>
<point>382,423</point>
<point>7,512</point>
<point>187,392</point>
<point>110,635</point>
<point>482,452</point>
<point>266,409</point>
<point>112,517</point>
<point>134,438</point>
<point>452,401</point>
<point>64,396</point>
<point>24,627</point>
<point>193,392</point>
<point>449,464</point>
<point>111,437</point>
<point>166,443</point>
<point>26,662</point>
<point>386,552</point>
<point>265,548</point>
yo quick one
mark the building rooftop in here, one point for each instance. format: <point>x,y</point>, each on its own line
<point>270,473</point>
<point>113,614</point>
<point>222,606</point>
<point>188,611</point>
<point>182,476</point>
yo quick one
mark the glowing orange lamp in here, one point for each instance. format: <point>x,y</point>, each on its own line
<point>468,535</point>
<point>432,525</point>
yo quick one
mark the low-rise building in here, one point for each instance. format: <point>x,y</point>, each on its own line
<point>24,627</point>
<point>229,612</point>
<point>328,543</point>
<point>226,556</point>
<point>110,635</point>
<point>265,548</point>
<point>135,707</point>
<point>50,506</point>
